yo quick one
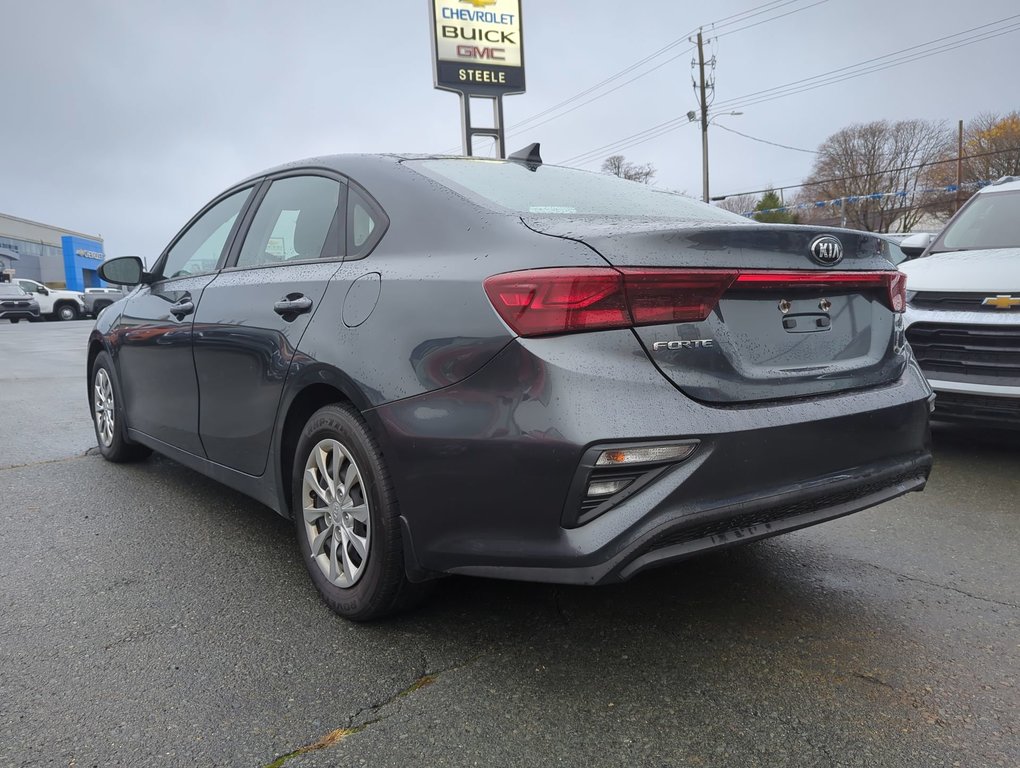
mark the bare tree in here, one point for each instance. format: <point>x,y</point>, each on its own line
<point>618,166</point>
<point>739,203</point>
<point>879,171</point>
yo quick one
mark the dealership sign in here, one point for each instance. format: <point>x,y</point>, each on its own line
<point>478,46</point>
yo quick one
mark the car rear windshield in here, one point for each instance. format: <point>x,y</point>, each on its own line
<point>549,190</point>
<point>990,220</point>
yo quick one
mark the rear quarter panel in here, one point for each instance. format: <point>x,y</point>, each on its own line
<point>432,324</point>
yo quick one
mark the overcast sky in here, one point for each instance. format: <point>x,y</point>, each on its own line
<point>122,118</point>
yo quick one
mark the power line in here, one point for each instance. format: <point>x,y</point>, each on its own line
<point>719,23</point>
<point>773,18</point>
<point>870,175</point>
<point>774,5</point>
<point>898,57</point>
<point>613,146</point>
<point>513,130</point>
<point>765,141</point>
<point>908,60</point>
<point>852,71</point>
<point>899,194</point>
<point>736,18</point>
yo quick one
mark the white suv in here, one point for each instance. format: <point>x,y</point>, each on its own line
<point>963,308</point>
<point>53,303</point>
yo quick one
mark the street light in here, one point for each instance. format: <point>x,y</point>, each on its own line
<point>705,120</point>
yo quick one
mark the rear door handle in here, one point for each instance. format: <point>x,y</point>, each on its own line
<point>183,307</point>
<point>292,305</point>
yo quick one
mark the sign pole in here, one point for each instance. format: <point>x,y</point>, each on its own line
<point>478,52</point>
<point>465,124</point>
<point>469,131</point>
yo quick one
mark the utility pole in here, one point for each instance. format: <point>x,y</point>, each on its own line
<point>704,118</point>
<point>959,167</point>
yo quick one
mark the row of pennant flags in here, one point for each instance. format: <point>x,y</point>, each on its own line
<point>839,202</point>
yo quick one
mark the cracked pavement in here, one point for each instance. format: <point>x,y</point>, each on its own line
<point>152,617</point>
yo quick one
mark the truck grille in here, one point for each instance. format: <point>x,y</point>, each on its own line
<point>961,302</point>
<point>975,350</point>
<point>958,406</point>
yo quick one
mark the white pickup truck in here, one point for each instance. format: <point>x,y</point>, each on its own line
<point>53,303</point>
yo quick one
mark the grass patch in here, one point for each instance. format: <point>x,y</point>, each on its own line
<point>331,738</point>
<point>417,685</point>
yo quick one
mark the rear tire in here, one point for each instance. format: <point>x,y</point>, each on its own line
<point>108,415</point>
<point>346,518</point>
<point>67,312</point>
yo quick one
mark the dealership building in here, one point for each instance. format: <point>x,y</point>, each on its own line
<point>59,258</point>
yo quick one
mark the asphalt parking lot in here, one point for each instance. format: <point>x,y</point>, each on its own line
<point>152,617</point>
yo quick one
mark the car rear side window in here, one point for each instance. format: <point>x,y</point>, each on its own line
<point>296,221</point>
<point>549,190</point>
<point>366,224</point>
<point>199,249</point>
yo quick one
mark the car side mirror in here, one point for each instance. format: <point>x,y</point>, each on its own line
<point>43,290</point>
<point>126,270</point>
<point>915,245</point>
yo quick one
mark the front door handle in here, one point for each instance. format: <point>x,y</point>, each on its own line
<point>183,307</point>
<point>292,305</point>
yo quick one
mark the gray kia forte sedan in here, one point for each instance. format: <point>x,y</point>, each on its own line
<point>440,365</point>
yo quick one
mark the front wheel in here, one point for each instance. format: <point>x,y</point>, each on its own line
<point>67,312</point>
<point>108,415</point>
<point>346,519</point>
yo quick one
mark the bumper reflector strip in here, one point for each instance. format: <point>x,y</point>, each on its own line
<point>619,457</point>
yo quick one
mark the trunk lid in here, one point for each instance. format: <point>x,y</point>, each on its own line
<point>766,339</point>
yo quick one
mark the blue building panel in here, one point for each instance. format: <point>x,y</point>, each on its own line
<point>82,258</point>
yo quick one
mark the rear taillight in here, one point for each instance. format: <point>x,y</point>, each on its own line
<point>541,302</point>
<point>893,285</point>
<point>897,290</point>
<point>674,295</point>
<point>560,300</point>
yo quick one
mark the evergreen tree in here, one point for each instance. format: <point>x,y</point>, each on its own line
<point>768,202</point>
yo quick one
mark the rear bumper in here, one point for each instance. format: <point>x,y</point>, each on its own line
<point>486,470</point>
<point>680,533</point>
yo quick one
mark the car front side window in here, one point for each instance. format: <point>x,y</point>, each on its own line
<point>199,249</point>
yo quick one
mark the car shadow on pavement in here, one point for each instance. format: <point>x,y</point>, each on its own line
<point>957,438</point>
<point>770,581</point>
<point>785,637</point>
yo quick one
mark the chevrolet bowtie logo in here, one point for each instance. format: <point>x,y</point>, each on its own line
<point>1001,302</point>
<point>479,3</point>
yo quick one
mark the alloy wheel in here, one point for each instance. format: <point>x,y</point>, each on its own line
<point>103,407</point>
<point>336,513</point>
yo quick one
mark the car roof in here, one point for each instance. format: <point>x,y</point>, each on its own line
<point>1005,184</point>
<point>379,162</point>
<point>368,164</point>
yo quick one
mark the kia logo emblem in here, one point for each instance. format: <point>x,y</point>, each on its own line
<point>826,249</point>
